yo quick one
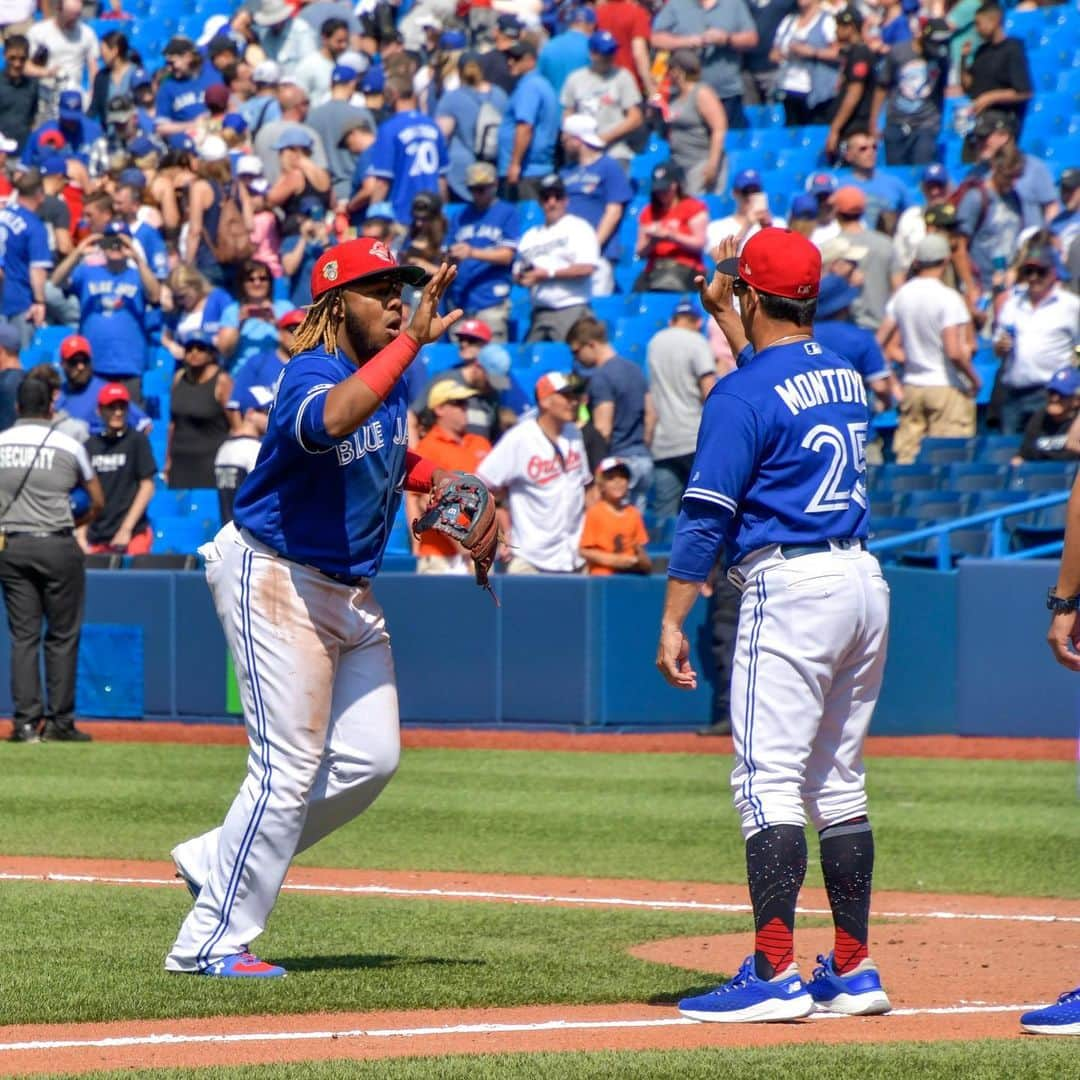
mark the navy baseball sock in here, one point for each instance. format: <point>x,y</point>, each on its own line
<point>847,863</point>
<point>775,868</point>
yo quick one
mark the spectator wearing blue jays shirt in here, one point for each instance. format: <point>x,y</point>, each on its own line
<point>568,51</point>
<point>127,201</point>
<point>482,244</point>
<point>24,256</point>
<point>80,389</point>
<point>181,97</point>
<point>529,128</point>
<point>115,298</point>
<point>300,249</point>
<point>265,368</point>
<point>887,196</point>
<point>834,328</point>
<point>598,191</point>
<point>409,155</point>
<point>83,137</point>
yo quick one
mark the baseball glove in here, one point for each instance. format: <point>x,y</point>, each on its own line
<point>461,507</point>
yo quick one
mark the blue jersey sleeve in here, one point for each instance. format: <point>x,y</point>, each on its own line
<point>381,162</point>
<point>39,245</point>
<point>729,447</point>
<point>298,407</point>
<point>699,534</point>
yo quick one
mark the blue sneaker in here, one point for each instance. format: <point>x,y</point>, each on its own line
<point>748,999</point>
<point>858,993</point>
<point>1060,1019</point>
<point>242,966</point>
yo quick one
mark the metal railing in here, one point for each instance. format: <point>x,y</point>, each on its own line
<point>999,537</point>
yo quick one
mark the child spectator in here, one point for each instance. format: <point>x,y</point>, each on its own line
<point>1047,431</point>
<point>614,538</point>
<point>125,465</point>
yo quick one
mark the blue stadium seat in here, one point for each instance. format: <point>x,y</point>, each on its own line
<point>438,357</point>
<point>626,273</point>
<point>934,506</point>
<point>543,356</point>
<point>165,503</point>
<point>883,506</point>
<point>178,535</point>
<point>901,478</point>
<point>609,309</point>
<point>997,449</point>
<point>203,504</point>
<point>658,306</point>
<point>975,476</point>
<point>963,543</point>
<point>1042,477</point>
<point>45,344</point>
<point>942,451</point>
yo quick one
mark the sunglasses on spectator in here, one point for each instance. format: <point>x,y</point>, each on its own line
<point>551,196</point>
<point>113,406</point>
<point>78,360</point>
<point>1034,271</point>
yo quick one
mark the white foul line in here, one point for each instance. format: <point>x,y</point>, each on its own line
<point>543,898</point>
<point>166,1039</point>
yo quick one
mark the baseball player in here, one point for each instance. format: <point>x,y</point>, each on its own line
<point>1063,1017</point>
<point>778,479</point>
<point>291,580</point>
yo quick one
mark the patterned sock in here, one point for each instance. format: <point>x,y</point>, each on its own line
<point>847,863</point>
<point>775,868</point>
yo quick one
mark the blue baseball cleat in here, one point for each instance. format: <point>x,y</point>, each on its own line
<point>858,993</point>
<point>242,966</point>
<point>1060,1019</point>
<point>746,999</point>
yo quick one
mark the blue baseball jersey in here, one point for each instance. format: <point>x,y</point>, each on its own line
<point>153,248</point>
<point>113,315</point>
<point>590,188</point>
<point>856,344</point>
<point>781,453</point>
<point>480,284</point>
<point>410,154</point>
<point>83,405</point>
<point>24,243</point>
<point>185,99</point>
<point>325,502</point>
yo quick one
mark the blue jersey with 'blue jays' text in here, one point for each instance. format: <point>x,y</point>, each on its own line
<point>781,451</point>
<point>329,503</point>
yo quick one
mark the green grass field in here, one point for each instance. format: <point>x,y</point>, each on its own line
<point>948,826</point>
<point>1030,1060</point>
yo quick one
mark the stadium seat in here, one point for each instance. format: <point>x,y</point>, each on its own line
<point>997,449</point>
<point>178,535</point>
<point>975,476</point>
<point>657,306</point>
<point>1046,526</point>
<point>439,357</point>
<point>882,506</point>
<point>104,562</point>
<point>963,543</point>
<point>1042,477</point>
<point>934,506</point>
<point>941,451</point>
<point>543,356</point>
<point>609,309</point>
<point>901,478</point>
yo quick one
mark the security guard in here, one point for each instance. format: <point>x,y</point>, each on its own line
<point>42,569</point>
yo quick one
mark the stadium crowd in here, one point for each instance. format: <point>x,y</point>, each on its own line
<point>169,175</point>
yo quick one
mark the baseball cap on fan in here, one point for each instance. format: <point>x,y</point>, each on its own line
<point>476,329</point>
<point>359,260</point>
<point>446,390</point>
<point>74,345</point>
<point>778,262</point>
<point>612,465</point>
<point>113,392</point>
<point>559,382</point>
<point>1065,381</point>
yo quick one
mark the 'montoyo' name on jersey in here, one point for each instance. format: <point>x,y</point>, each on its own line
<point>826,386</point>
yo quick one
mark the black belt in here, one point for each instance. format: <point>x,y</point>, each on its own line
<point>793,551</point>
<point>40,535</point>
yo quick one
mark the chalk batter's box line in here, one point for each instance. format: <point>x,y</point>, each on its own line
<point>540,898</point>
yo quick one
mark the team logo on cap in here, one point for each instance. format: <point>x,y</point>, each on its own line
<point>330,270</point>
<point>804,290</point>
<point>381,251</point>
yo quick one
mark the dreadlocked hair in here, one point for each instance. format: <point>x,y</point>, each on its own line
<point>321,324</point>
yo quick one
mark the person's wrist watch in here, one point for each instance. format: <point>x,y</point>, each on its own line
<point>1061,605</point>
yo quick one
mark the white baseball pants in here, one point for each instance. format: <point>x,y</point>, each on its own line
<point>813,633</point>
<point>316,679</point>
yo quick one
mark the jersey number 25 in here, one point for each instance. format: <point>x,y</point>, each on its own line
<point>845,467</point>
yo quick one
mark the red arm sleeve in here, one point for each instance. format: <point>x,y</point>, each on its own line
<point>418,472</point>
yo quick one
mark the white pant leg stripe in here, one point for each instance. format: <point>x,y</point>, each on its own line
<point>751,686</point>
<point>260,728</point>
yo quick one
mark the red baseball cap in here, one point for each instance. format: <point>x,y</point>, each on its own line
<point>291,319</point>
<point>112,393</point>
<point>55,139</point>
<point>365,257</point>
<point>474,328</point>
<point>73,345</point>
<point>779,262</point>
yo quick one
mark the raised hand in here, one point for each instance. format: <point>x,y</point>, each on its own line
<point>427,325</point>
